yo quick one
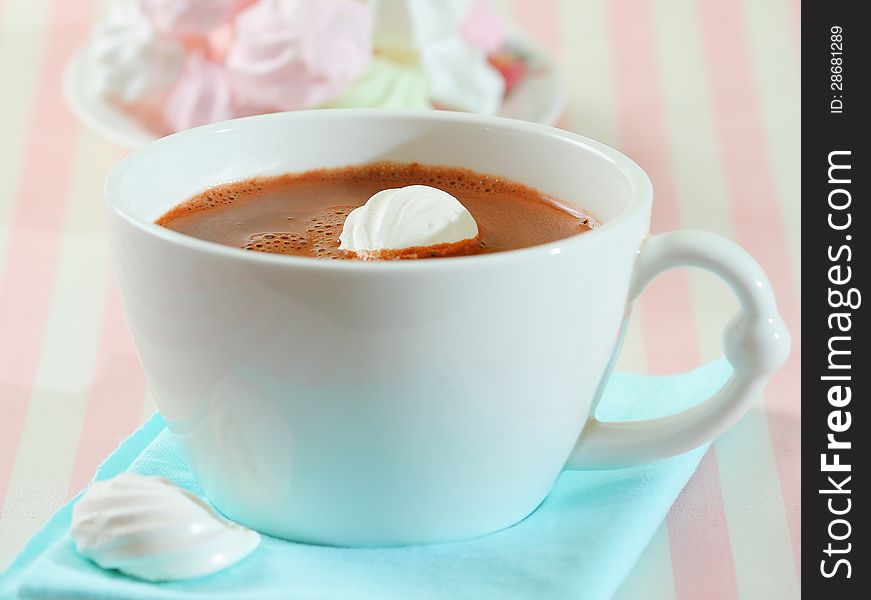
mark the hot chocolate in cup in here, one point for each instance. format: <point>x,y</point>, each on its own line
<point>398,402</point>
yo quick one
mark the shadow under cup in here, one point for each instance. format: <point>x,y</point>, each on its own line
<point>382,403</point>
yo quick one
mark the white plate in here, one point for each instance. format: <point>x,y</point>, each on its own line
<point>539,97</point>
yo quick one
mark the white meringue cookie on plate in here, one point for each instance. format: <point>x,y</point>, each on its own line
<point>412,23</point>
<point>127,60</point>
<point>149,528</point>
<point>389,83</point>
<point>460,77</point>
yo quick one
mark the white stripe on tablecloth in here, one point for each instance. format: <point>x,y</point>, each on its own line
<point>651,578</point>
<point>777,74</point>
<point>761,547</point>
<point>22,29</point>
<point>589,70</point>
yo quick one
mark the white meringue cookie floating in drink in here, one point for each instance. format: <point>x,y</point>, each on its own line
<point>127,60</point>
<point>415,218</point>
<point>151,529</point>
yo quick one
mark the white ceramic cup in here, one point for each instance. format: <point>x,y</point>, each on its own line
<point>403,402</point>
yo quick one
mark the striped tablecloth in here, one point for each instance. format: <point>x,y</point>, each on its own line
<point>704,94</point>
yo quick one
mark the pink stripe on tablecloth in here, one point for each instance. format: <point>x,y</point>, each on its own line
<point>670,336</point>
<point>116,396</point>
<point>540,20</point>
<point>759,225</point>
<point>36,231</point>
<point>694,530</point>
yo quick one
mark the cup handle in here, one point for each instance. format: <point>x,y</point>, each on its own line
<point>756,343</point>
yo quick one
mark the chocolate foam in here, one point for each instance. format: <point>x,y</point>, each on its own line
<point>302,214</point>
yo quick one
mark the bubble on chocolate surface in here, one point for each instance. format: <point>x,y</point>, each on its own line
<point>277,243</point>
<point>223,195</point>
<point>324,230</point>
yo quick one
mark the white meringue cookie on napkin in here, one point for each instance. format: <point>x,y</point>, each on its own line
<point>149,528</point>
<point>126,58</point>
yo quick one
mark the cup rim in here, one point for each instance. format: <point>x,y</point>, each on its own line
<point>640,202</point>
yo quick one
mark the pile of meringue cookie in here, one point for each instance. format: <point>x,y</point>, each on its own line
<point>176,64</point>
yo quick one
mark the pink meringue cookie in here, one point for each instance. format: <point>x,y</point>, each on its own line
<point>482,27</point>
<point>190,17</point>
<point>292,54</point>
<point>201,95</point>
<point>218,42</point>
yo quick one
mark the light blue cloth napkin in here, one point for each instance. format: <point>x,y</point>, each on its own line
<point>579,544</point>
